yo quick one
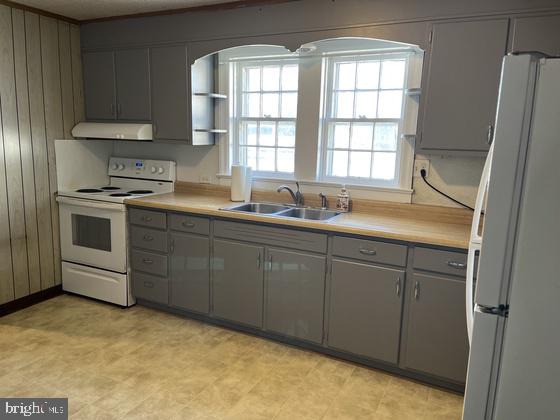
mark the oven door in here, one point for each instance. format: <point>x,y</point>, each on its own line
<point>93,233</point>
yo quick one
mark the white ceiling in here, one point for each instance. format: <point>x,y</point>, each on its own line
<point>92,9</point>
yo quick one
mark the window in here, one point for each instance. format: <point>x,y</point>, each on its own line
<point>266,99</point>
<point>363,113</point>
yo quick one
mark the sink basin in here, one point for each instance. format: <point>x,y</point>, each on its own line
<point>261,208</point>
<point>309,214</point>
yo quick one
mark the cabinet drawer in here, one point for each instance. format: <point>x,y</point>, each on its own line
<point>191,224</point>
<point>148,262</point>
<point>149,218</point>
<point>447,262</point>
<point>368,250</point>
<point>152,288</point>
<point>150,239</point>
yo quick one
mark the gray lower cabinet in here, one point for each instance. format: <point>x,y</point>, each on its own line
<point>190,272</point>
<point>170,97</point>
<point>99,85</point>
<point>133,84</point>
<point>237,282</point>
<point>295,291</point>
<point>436,341</point>
<point>365,310</point>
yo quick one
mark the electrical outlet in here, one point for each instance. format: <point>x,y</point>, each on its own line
<point>420,164</point>
<point>205,179</point>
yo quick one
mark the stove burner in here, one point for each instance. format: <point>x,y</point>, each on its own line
<point>140,192</point>
<point>89,190</point>
<point>110,188</point>
<point>120,195</point>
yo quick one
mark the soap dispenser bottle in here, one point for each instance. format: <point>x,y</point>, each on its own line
<point>343,200</point>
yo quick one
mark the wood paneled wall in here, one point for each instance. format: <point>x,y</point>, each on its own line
<point>41,98</point>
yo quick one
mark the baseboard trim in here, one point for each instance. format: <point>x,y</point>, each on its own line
<point>27,301</point>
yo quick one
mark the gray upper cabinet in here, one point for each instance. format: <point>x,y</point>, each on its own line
<point>190,272</point>
<point>238,277</point>
<point>99,85</point>
<point>461,85</point>
<point>133,84</point>
<point>295,292</point>
<point>437,341</point>
<point>537,33</point>
<point>365,310</point>
<point>170,93</point>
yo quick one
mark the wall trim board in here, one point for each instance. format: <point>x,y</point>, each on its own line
<point>30,300</point>
<point>23,7</point>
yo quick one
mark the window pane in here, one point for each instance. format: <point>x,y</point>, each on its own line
<point>346,76</point>
<point>286,134</point>
<point>248,133</point>
<point>341,136</point>
<point>289,105</point>
<point>251,157</point>
<point>252,79</point>
<point>267,134</point>
<point>344,105</point>
<point>270,105</point>
<point>390,104</point>
<point>266,159</point>
<point>271,78</point>
<point>362,136</point>
<point>366,104</point>
<point>368,75</point>
<point>285,161</point>
<point>290,77</point>
<point>385,136</point>
<point>383,165</point>
<point>360,163</point>
<point>339,163</point>
<point>251,105</point>
<point>392,74</point>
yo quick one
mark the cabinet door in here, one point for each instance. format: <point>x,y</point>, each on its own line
<point>437,328</point>
<point>190,272</point>
<point>99,85</point>
<point>537,33</point>
<point>365,310</point>
<point>170,96</point>
<point>461,91</point>
<point>295,294</point>
<point>133,84</point>
<point>237,278</point>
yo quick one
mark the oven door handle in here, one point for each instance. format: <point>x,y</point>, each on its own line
<point>80,202</point>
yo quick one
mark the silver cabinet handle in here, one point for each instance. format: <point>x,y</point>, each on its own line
<point>270,262</point>
<point>259,261</point>
<point>118,109</point>
<point>416,290</point>
<point>149,284</point>
<point>398,286</point>
<point>146,218</point>
<point>147,261</point>
<point>112,107</point>
<point>188,224</point>
<point>490,134</point>
<point>148,238</point>
<point>365,251</point>
<point>457,265</point>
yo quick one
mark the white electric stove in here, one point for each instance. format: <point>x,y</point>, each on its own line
<point>93,233</point>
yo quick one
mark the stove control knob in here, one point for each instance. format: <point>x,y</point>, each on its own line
<point>154,169</point>
<point>114,166</point>
<point>160,170</point>
<point>121,167</point>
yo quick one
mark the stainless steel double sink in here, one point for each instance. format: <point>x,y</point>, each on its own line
<point>281,210</point>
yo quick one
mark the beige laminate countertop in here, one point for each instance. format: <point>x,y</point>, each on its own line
<point>389,223</point>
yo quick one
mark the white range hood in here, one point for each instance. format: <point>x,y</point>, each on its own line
<point>113,131</point>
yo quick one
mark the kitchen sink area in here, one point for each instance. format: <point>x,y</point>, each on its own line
<point>281,210</point>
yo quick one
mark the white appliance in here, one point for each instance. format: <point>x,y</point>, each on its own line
<point>514,361</point>
<point>113,131</point>
<point>93,233</point>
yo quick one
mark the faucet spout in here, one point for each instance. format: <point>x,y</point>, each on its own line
<point>296,196</point>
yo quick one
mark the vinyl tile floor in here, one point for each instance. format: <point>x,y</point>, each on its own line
<point>140,363</point>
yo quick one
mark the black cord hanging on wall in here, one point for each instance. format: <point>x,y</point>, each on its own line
<point>423,175</point>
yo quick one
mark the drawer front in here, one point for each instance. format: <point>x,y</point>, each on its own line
<point>286,238</point>
<point>448,262</point>
<point>148,218</point>
<point>148,262</point>
<point>368,250</point>
<point>150,239</point>
<point>152,288</point>
<point>191,224</point>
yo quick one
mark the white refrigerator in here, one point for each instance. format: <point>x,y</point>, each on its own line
<point>513,306</point>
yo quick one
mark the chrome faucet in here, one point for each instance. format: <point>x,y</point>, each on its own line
<point>324,201</point>
<point>297,196</point>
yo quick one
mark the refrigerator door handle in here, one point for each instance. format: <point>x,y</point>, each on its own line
<point>469,289</point>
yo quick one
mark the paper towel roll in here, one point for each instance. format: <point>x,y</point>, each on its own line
<point>238,182</point>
